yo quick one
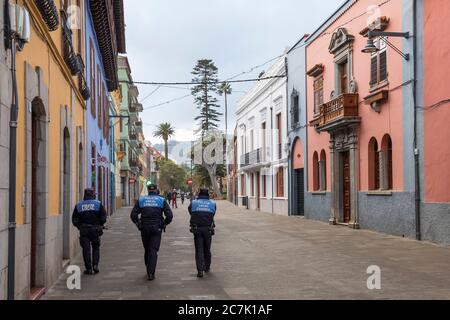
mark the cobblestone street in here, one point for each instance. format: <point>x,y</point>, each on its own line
<point>261,256</point>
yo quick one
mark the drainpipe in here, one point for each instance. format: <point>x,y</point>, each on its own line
<point>416,149</point>
<point>272,149</point>
<point>12,166</point>
<point>286,67</point>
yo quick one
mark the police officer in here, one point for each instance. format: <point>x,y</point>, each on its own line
<point>147,214</point>
<point>202,211</point>
<point>89,216</point>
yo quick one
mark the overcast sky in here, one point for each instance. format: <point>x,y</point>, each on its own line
<point>165,38</point>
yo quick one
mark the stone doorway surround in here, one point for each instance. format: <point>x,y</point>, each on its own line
<point>342,140</point>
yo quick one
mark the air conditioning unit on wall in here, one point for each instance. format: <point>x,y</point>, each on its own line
<point>20,22</point>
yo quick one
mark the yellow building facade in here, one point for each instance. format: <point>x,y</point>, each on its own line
<point>51,153</point>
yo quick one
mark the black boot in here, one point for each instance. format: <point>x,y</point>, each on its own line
<point>96,270</point>
<point>88,272</point>
<point>151,277</point>
<point>200,274</point>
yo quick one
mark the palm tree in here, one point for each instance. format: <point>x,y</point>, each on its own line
<point>165,131</point>
<point>225,89</point>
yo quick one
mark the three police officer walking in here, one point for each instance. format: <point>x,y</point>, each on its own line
<point>151,214</point>
<point>202,211</point>
<point>89,216</point>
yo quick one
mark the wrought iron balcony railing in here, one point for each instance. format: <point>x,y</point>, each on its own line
<point>251,158</point>
<point>136,107</point>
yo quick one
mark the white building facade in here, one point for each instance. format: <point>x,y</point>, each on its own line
<point>262,144</point>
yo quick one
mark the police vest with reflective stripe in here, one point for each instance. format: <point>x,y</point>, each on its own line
<point>203,206</point>
<point>151,202</point>
<point>88,206</point>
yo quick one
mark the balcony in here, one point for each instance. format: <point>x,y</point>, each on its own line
<point>134,164</point>
<point>138,126</point>
<point>136,107</point>
<point>253,158</point>
<point>133,136</point>
<point>338,112</point>
<point>133,91</point>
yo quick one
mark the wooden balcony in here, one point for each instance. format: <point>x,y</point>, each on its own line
<point>338,112</point>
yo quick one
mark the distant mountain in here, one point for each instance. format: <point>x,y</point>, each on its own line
<point>178,150</point>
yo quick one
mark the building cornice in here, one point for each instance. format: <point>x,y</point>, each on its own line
<point>42,29</point>
<point>278,69</point>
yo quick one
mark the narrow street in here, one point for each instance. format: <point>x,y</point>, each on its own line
<point>262,256</point>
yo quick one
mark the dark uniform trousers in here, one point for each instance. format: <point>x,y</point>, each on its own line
<point>202,240</point>
<point>151,239</point>
<point>90,243</point>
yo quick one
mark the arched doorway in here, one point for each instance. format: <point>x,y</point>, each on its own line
<point>298,169</point>
<point>66,194</point>
<point>38,194</point>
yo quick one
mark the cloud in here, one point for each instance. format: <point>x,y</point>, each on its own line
<point>166,38</point>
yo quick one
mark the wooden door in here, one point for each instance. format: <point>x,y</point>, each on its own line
<point>346,187</point>
<point>300,191</point>
<point>258,190</point>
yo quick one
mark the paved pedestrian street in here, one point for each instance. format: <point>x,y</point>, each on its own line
<point>263,256</point>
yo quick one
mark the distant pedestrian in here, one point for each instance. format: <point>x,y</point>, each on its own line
<point>169,197</point>
<point>182,197</point>
<point>174,199</point>
<point>89,216</point>
<point>151,214</point>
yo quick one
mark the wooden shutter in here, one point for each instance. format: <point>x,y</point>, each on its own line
<point>383,66</point>
<point>374,70</point>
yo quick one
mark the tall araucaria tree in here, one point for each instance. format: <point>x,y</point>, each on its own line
<point>205,90</point>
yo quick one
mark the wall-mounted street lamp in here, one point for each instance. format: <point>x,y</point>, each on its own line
<point>372,48</point>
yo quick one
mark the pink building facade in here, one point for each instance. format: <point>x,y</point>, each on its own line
<point>376,159</point>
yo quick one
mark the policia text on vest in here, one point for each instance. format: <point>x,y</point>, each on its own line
<point>89,216</point>
<point>202,211</point>
<point>151,214</point>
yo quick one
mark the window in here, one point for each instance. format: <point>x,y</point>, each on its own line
<point>252,140</point>
<point>318,94</point>
<point>280,135</point>
<point>374,165</point>
<point>343,77</point>
<point>264,185</point>
<point>93,78</point>
<point>378,65</point>
<point>316,179</point>
<point>252,185</point>
<point>386,170</point>
<point>99,97</point>
<point>93,166</point>
<point>263,141</point>
<point>323,171</point>
<point>295,109</point>
<point>243,188</point>
<point>280,182</point>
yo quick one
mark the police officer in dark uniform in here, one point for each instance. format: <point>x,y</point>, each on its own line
<point>202,211</point>
<point>89,216</point>
<point>147,214</point>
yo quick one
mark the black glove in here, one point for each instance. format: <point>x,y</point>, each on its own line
<point>139,225</point>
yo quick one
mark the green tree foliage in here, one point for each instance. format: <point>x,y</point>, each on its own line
<point>205,73</point>
<point>171,176</point>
